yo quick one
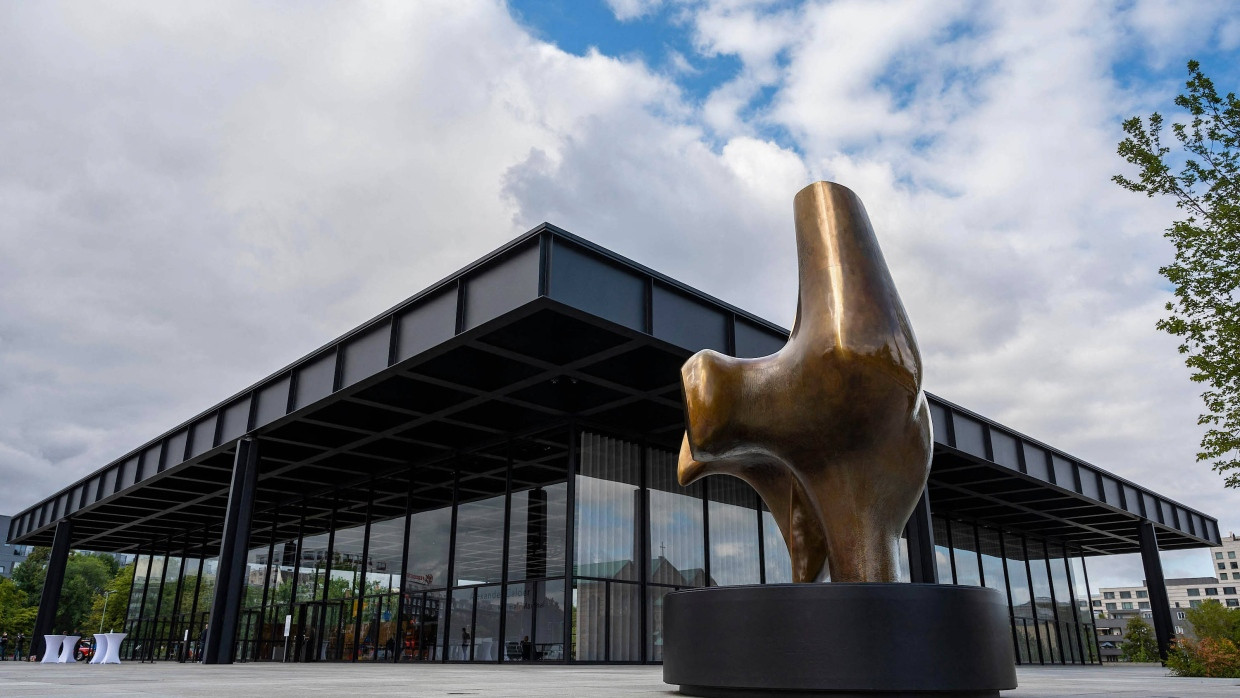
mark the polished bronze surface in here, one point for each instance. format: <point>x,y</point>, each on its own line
<point>833,431</point>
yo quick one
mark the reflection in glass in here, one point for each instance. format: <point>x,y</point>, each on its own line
<point>589,621</point>
<point>387,543</point>
<point>964,550</point>
<point>536,540</point>
<point>534,629</point>
<point>624,619</point>
<point>1017,576</point>
<point>1041,581</point>
<point>549,621</point>
<point>424,626</point>
<point>654,611</point>
<point>1085,632</point>
<point>775,551</point>
<point>312,567</point>
<point>905,573</point>
<point>480,542</point>
<point>992,559</point>
<point>733,532</point>
<point>461,625</point>
<point>487,641</point>
<point>676,534</point>
<point>942,551</point>
<point>519,602</point>
<point>607,507</point>
<point>429,538</point>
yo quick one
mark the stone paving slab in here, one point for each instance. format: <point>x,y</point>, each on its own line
<point>18,680</point>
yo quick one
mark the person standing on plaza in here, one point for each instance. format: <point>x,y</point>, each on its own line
<point>4,645</point>
<point>17,652</point>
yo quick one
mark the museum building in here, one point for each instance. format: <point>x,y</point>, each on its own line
<point>487,473</point>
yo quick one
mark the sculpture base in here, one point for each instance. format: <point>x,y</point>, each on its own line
<point>871,640</point>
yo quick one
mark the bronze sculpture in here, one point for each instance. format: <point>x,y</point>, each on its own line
<point>833,431</point>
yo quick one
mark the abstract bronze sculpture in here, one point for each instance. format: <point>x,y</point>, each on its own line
<point>833,431</point>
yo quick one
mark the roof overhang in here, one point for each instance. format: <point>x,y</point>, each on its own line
<point>550,328</point>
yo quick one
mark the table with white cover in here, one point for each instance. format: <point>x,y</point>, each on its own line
<point>51,648</point>
<point>101,648</point>
<point>68,646</point>
<point>113,655</point>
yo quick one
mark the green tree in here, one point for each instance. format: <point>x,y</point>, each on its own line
<point>1139,644</point>
<point>86,576</point>
<point>1205,273</point>
<point>16,612</point>
<point>29,575</point>
<point>1215,621</point>
<point>117,602</point>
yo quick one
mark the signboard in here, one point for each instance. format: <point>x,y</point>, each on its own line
<point>288,625</point>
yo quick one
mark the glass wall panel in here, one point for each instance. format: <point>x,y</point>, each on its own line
<point>142,567</point>
<point>608,502</point>
<point>387,546</point>
<point>312,567</point>
<point>480,542</point>
<point>430,534</point>
<point>942,550</point>
<point>461,640</point>
<point>345,587</point>
<point>964,551</point>
<point>249,622</point>
<point>425,628</point>
<point>1043,598</point>
<point>676,534</point>
<point>775,551</point>
<point>1064,611</point>
<point>654,620</point>
<point>992,559</point>
<point>346,562</point>
<point>905,572</point>
<point>733,521</point>
<point>624,623</point>
<point>539,506</point>
<point>590,621</point>
<point>549,621</point>
<point>536,537</point>
<point>1022,602</point>
<point>1084,613</point>
<point>487,641</point>
<point>519,603</point>
<point>534,629</point>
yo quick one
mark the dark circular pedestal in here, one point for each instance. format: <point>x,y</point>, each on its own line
<point>838,640</point>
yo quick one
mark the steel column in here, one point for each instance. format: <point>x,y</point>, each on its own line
<point>49,601</point>
<point>234,543</point>
<point>1157,586</point>
<point>920,533</point>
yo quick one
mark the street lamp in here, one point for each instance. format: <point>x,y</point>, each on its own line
<point>106,594</point>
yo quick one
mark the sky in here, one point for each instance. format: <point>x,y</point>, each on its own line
<point>194,195</point>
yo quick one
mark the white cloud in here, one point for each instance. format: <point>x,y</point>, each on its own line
<point>633,9</point>
<point>192,197</point>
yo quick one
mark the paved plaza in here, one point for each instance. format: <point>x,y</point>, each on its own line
<point>277,680</point>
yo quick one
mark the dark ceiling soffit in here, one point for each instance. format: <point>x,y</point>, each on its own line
<point>213,420</point>
<point>946,413</point>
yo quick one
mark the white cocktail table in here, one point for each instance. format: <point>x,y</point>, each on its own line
<point>67,648</point>
<point>101,648</point>
<point>51,648</point>
<point>114,648</point>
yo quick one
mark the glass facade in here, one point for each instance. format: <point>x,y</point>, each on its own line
<point>555,547</point>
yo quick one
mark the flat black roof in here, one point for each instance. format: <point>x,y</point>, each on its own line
<point>547,328</point>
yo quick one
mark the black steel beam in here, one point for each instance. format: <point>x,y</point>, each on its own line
<point>234,543</point>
